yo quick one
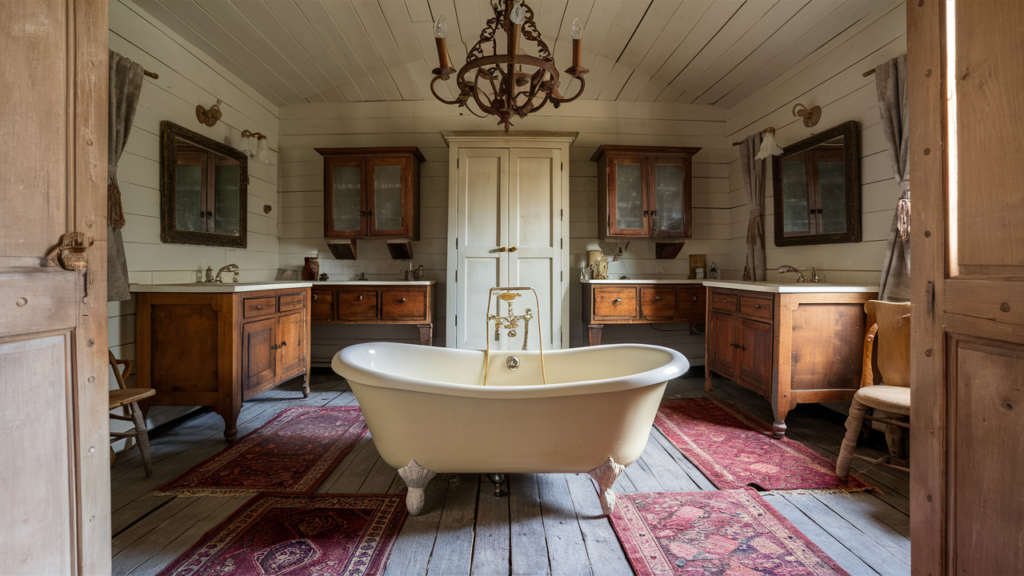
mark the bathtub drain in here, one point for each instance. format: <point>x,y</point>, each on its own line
<point>512,363</point>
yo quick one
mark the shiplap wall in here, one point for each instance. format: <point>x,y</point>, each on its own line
<point>308,126</point>
<point>187,77</point>
<point>831,77</point>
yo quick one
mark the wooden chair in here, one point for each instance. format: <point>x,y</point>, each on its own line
<point>128,398</point>
<point>890,321</point>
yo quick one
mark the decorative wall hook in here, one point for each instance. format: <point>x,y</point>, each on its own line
<point>810,116</point>
<point>211,116</point>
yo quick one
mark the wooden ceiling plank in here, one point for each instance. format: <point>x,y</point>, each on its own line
<point>668,94</point>
<point>615,81</point>
<point>277,92</point>
<point>402,29</point>
<point>260,46</point>
<point>600,68</point>
<point>811,16</point>
<point>733,30</point>
<point>467,14</point>
<point>323,25</point>
<point>711,21</point>
<point>419,11</point>
<point>307,38</point>
<point>622,27</point>
<point>549,21</point>
<point>376,27</point>
<point>563,43</point>
<point>651,29</point>
<point>334,95</point>
<point>634,87</point>
<point>351,29</point>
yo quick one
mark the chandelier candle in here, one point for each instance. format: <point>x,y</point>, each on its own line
<point>508,84</point>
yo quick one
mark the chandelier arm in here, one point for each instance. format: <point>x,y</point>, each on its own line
<point>583,85</point>
<point>434,92</point>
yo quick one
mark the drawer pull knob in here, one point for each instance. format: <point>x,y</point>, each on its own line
<point>694,298</point>
<point>360,297</point>
<point>617,300</point>
<point>400,300</point>
<point>656,298</point>
<point>314,296</point>
<point>259,307</point>
<point>757,306</point>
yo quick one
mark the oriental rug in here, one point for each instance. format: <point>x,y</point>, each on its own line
<point>293,453</point>
<point>317,535</point>
<point>713,532</point>
<point>734,449</point>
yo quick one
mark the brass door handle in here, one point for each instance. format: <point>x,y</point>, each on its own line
<point>513,249</point>
<point>502,249</point>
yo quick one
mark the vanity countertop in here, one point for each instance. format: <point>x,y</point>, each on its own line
<point>219,288</point>
<point>641,281</point>
<point>374,283</point>
<point>794,288</point>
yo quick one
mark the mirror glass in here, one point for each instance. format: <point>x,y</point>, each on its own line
<point>204,190</point>
<point>818,189</point>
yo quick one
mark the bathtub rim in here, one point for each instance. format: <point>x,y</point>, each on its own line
<point>343,365</point>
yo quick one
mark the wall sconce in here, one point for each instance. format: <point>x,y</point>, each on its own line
<point>262,154</point>
<point>810,117</point>
<point>209,117</point>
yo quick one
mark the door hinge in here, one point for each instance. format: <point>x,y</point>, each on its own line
<point>456,243</point>
<point>563,166</point>
<point>456,319</point>
<point>561,214</point>
<point>456,275</point>
<point>562,275</point>
<point>457,160</point>
<point>561,242</point>
<point>930,299</point>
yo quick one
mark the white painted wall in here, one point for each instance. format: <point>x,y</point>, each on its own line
<point>187,77</point>
<point>308,126</point>
<point>831,78</point>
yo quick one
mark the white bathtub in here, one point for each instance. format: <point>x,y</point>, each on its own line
<point>428,404</point>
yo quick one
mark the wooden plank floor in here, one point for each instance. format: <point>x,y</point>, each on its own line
<point>550,524</point>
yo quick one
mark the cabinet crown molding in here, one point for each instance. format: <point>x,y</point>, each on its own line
<point>642,151</point>
<point>382,151</point>
<point>500,135</point>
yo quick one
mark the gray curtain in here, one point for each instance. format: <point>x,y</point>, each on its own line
<point>125,87</point>
<point>891,84</point>
<point>753,181</point>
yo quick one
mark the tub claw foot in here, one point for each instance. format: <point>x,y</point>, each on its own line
<point>499,484</point>
<point>416,478</point>
<point>605,476</point>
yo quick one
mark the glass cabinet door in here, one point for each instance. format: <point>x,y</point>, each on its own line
<point>345,201</point>
<point>627,206</point>
<point>387,203</point>
<point>668,199</point>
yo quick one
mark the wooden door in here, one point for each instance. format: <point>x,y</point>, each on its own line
<point>55,484</point>
<point>482,234</point>
<point>755,365</point>
<point>722,351</point>
<point>291,344</point>
<point>259,355</point>
<point>535,240</point>
<point>389,197</point>
<point>344,197</point>
<point>628,213</point>
<point>967,335</point>
<point>669,196</point>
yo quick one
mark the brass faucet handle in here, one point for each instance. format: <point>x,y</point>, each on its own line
<point>509,296</point>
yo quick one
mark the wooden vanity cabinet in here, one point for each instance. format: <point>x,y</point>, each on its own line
<point>791,348</point>
<point>640,304</point>
<point>371,192</point>
<point>370,303</point>
<point>219,350</point>
<point>644,191</point>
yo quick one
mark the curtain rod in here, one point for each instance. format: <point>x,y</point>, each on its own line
<point>768,129</point>
<point>868,73</point>
<point>152,75</point>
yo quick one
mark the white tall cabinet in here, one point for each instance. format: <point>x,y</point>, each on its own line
<point>508,225</point>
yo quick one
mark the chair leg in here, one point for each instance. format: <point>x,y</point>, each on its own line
<point>142,437</point>
<point>853,426</point>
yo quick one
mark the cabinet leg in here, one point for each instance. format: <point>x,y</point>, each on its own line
<point>707,377</point>
<point>779,426</point>
<point>594,333</point>
<point>230,425</point>
<point>426,334</point>
<point>305,386</point>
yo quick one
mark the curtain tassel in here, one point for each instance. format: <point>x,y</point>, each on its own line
<point>115,213</point>
<point>903,216</point>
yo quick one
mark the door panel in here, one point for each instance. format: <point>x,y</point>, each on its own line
<point>291,344</point>
<point>755,367</point>
<point>259,356</point>
<point>721,344</point>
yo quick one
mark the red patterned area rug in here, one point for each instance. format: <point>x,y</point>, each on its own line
<point>734,449</point>
<point>713,532</point>
<point>293,453</point>
<point>318,535</point>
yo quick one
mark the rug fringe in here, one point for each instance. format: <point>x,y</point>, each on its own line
<point>820,491</point>
<point>198,493</point>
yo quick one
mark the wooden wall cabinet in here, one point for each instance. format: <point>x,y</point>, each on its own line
<point>219,350</point>
<point>644,191</point>
<point>372,192</point>
<point>791,348</point>
<point>368,303</point>
<point>640,303</point>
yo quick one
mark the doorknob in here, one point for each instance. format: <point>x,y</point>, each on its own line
<point>502,249</point>
<point>513,249</point>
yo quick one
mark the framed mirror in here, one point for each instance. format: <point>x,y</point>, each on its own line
<point>817,189</point>
<point>204,190</point>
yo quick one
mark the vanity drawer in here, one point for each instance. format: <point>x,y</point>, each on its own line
<point>256,307</point>
<point>615,302</point>
<point>288,302</point>
<point>323,305</point>
<point>692,304</point>
<point>756,307</point>
<point>403,304</point>
<point>357,305</point>
<point>658,303</point>
<point>723,302</point>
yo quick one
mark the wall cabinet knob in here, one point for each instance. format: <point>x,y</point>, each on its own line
<point>513,249</point>
<point>694,298</point>
<point>314,296</point>
<point>502,249</point>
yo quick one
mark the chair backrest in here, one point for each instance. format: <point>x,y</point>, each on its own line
<point>120,375</point>
<point>893,338</point>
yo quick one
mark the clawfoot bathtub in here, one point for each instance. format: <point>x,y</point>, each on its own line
<point>429,412</point>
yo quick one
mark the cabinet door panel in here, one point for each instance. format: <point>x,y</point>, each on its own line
<point>669,196</point>
<point>259,359</point>
<point>344,201</point>
<point>389,196</point>
<point>403,304</point>
<point>721,338</point>
<point>291,344</point>
<point>755,370</point>
<point>693,304</point>
<point>627,198</point>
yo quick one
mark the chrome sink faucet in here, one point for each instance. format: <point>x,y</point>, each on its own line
<point>799,275</point>
<point>228,268</point>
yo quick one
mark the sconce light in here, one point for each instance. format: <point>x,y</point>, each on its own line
<point>208,117</point>
<point>262,154</point>
<point>810,117</point>
<point>768,146</point>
